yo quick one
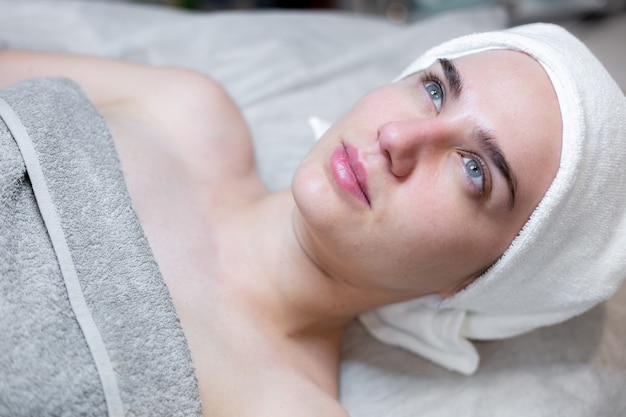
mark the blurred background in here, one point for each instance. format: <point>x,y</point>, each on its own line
<point>406,11</point>
<point>601,24</point>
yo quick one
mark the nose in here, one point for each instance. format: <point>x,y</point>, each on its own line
<point>402,142</point>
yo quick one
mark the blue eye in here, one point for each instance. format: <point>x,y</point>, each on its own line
<point>475,172</point>
<point>435,91</point>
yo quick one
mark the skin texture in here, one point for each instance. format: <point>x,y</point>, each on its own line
<point>429,228</point>
<point>264,283</point>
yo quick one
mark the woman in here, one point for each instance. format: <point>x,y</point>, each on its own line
<point>417,191</point>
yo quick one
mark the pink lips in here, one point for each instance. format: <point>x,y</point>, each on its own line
<point>349,172</point>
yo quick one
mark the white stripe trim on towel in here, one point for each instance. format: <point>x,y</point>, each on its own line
<point>68,271</point>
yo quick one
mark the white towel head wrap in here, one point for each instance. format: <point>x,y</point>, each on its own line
<point>571,254</point>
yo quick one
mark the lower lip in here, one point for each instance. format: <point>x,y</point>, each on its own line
<point>348,171</point>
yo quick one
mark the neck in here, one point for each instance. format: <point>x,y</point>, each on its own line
<point>283,290</point>
<point>289,284</point>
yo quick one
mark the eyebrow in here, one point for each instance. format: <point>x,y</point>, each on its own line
<point>485,139</point>
<point>452,76</point>
<point>489,145</point>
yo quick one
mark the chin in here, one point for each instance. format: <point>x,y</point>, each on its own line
<point>312,194</point>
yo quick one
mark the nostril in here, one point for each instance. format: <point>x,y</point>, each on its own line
<point>387,156</point>
<point>386,141</point>
<point>385,151</point>
<point>397,145</point>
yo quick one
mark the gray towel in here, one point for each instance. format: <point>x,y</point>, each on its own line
<point>47,367</point>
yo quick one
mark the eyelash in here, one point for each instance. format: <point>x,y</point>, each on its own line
<point>431,77</point>
<point>483,167</point>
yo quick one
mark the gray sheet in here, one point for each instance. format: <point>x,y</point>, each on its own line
<point>283,67</point>
<point>47,367</point>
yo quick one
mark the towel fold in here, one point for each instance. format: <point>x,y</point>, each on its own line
<point>571,253</point>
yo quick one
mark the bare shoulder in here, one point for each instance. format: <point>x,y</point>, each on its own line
<point>323,407</point>
<point>187,111</point>
<point>259,379</point>
<point>303,400</point>
<point>294,404</point>
<point>196,116</point>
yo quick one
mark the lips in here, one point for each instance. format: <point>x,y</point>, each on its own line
<point>349,172</point>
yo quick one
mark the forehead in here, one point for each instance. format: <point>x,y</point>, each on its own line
<point>509,85</point>
<point>508,64</point>
<point>509,94</point>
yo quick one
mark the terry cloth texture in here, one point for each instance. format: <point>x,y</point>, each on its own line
<point>112,344</point>
<point>571,254</point>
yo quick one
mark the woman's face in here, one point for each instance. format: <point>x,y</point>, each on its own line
<point>426,181</point>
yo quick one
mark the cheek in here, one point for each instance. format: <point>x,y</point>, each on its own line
<point>440,234</point>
